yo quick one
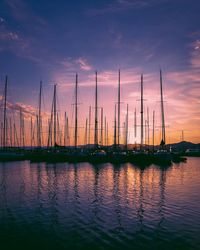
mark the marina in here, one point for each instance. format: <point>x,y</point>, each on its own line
<point>96,152</point>
<point>100,125</point>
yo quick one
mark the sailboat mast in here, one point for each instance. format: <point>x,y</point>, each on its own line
<point>15,136</point>
<point>1,134</point>
<point>89,125</point>
<point>23,131</point>
<point>119,102</point>
<point>145,130</point>
<point>65,129</point>
<point>115,128</point>
<point>101,126</point>
<point>124,132</point>
<point>49,142</point>
<point>126,128</point>
<point>182,135</point>
<point>4,113</point>
<point>96,114</point>
<point>162,111</point>
<point>11,141</point>
<point>59,136</point>
<point>86,131</point>
<point>107,140</point>
<point>153,130</point>
<point>105,129</point>
<point>54,115</point>
<point>39,116</point>
<point>20,129</point>
<point>142,113</point>
<point>135,124</point>
<point>31,132</point>
<point>76,112</point>
<point>68,134</point>
<point>148,127</point>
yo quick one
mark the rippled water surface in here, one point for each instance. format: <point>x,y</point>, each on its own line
<point>82,206</point>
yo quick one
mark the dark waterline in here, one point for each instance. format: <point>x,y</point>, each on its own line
<point>81,206</point>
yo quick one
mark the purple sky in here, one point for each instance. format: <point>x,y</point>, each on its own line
<point>51,41</point>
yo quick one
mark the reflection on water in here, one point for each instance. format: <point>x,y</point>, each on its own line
<point>82,206</point>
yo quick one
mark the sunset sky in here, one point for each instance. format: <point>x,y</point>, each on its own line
<point>52,40</point>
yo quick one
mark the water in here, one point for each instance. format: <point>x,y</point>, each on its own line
<point>81,206</point>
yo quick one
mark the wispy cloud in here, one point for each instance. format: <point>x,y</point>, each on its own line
<point>83,64</point>
<point>124,5</point>
<point>21,41</point>
<point>18,44</point>
<point>75,64</point>
<point>106,78</point>
<point>195,55</point>
<point>64,72</point>
<point>2,20</point>
<point>26,109</point>
<point>21,12</point>
<point>9,36</point>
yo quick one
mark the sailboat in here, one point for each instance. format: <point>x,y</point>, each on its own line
<point>98,155</point>
<point>162,156</point>
<point>118,155</point>
<point>6,153</point>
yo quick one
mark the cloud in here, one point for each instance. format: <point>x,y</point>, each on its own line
<point>183,77</point>
<point>195,54</point>
<point>64,72</point>
<point>124,5</point>
<point>18,44</point>
<point>83,64</point>
<point>192,74</point>
<point>106,78</point>
<point>2,20</point>
<point>21,12</point>
<point>9,36</point>
<point>27,110</point>
<point>75,64</point>
<point>181,95</point>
